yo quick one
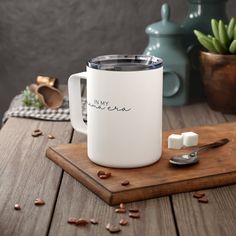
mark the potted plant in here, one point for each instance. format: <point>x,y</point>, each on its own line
<point>218,65</point>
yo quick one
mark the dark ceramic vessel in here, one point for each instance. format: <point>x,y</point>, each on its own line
<point>219,79</point>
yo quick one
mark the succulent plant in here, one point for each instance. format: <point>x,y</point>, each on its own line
<point>30,99</point>
<point>223,40</point>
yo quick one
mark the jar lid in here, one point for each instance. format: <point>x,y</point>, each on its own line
<point>165,26</point>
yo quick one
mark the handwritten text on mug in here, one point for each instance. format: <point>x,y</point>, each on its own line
<point>104,105</point>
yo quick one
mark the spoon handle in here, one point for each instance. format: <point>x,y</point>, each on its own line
<point>216,144</point>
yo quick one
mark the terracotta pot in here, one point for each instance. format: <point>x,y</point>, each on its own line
<point>219,79</point>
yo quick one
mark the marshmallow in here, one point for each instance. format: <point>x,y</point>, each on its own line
<point>190,139</point>
<point>175,141</point>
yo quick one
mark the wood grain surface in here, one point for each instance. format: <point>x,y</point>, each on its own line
<point>25,174</point>
<point>218,217</point>
<point>156,214</point>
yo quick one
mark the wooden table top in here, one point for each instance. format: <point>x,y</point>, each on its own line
<point>25,174</point>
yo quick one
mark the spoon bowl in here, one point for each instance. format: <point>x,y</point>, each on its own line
<point>192,158</point>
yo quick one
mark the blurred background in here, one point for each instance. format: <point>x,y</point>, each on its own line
<point>57,37</point>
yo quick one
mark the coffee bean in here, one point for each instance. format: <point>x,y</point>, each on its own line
<point>17,207</point>
<point>39,202</point>
<point>93,221</point>
<point>72,220</point>
<point>125,183</point>
<point>108,226</point>
<point>199,194</point>
<point>122,205</point>
<point>134,210</point>
<point>120,210</point>
<point>103,176</point>
<point>114,229</point>
<point>50,136</point>
<point>203,200</point>
<point>134,215</point>
<point>108,174</point>
<point>81,222</point>
<point>100,172</point>
<point>123,222</point>
<point>36,133</point>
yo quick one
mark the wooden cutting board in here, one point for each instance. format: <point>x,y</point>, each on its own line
<point>217,167</point>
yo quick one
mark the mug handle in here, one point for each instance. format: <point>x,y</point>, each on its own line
<point>75,102</point>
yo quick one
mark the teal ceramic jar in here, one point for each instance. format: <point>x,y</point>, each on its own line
<point>165,41</point>
<point>200,13</point>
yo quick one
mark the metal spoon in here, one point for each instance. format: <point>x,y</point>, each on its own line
<point>192,158</point>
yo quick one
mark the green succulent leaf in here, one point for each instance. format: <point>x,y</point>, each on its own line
<point>218,46</point>
<point>207,43</point>
<point>230,29</point>
<point>223,36</point>
<point>235,32</point>
<point>223,39</point>
<point>199,34</point>
<point>232,47</point>
<point>214,26</point>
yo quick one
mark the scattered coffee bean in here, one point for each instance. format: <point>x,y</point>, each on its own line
<point>103,175</point>
<point>120,210</point>
<point>108,174</point>
<point>81,222</point>
<point>17,207</point>
<point>72,220</point>
<point>199,194</point>
<point>203,200</point>
<point>39,202</point>
<point>123,222</point>
<point>114,229</point>
<point>134,210</point>
<point>100,172</point>
<point>108,226</point>
<point>125,183</point>
<point>50,136</point>
<point>122,205</point>
<point>36,133</point>
<point>93,221</point>
<point>134,215</point>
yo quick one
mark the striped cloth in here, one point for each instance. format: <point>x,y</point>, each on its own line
<point>17,109</point>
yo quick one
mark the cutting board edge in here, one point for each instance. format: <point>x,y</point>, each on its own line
<point>167,189</point>
<point>79,175</point>
<point>138,194</point>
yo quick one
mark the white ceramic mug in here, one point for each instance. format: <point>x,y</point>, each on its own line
<point>124,109</point>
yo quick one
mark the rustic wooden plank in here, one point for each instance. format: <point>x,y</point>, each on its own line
<point>26,174</point>
<point>76,200</point>
<point>217,217</point>
<point>191,115</point>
